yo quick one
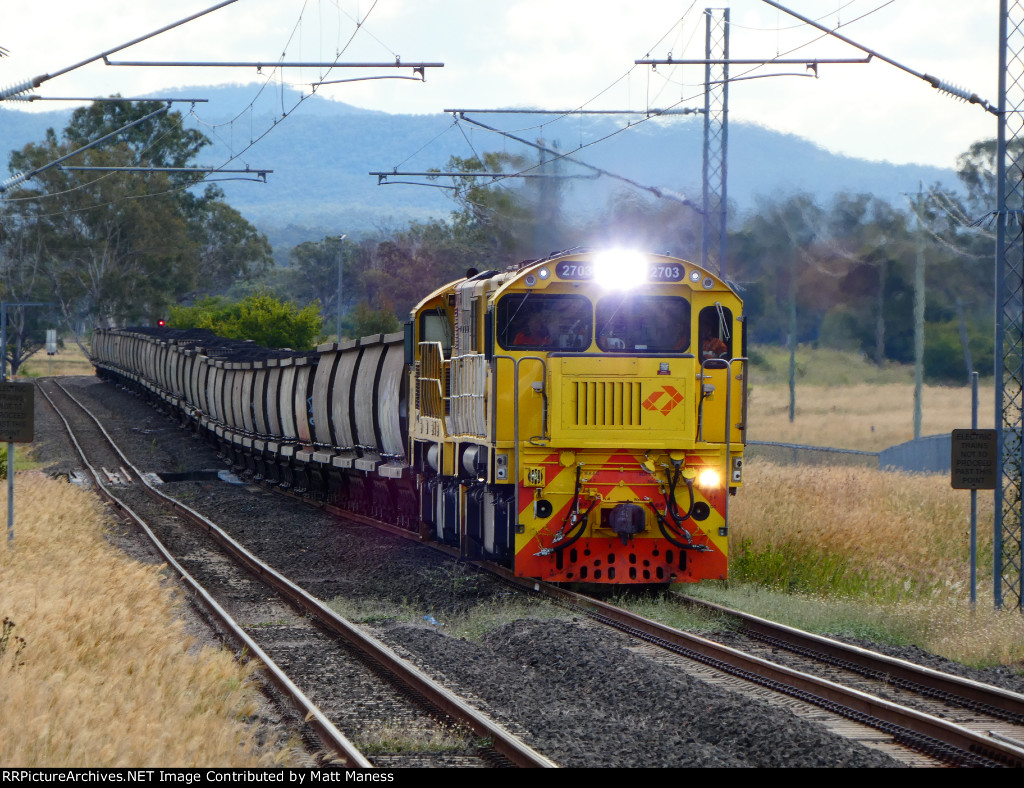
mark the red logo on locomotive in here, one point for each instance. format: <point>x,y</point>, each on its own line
<point>674,398</point>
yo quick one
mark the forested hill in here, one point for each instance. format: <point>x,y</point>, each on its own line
<point>322,152</point>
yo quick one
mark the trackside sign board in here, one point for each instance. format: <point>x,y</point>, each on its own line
<point>17,412</point>
<point>972,460</point>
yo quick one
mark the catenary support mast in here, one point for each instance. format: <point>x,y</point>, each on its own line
<point>1009,371</point>
<point>716,139</point>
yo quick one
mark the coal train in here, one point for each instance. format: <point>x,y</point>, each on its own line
<point>580,418</point>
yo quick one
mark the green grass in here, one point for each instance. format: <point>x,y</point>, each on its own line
<point>823,367</point>
<point>470,624</point>
<point>981,638</point>
<point>391,737</point>
<point>792,569</point>
<point>831,615</point>
<point>23,459</point>
<point>665,609</point>
<point>490,616</point>
<point>375,611</point>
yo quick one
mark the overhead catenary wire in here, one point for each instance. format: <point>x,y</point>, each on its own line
<point>253,138</point>
<point>385,174</point>
<point>126,198</point>
<point>661,193</point>
<point>18,178</point>
<point>359,26</point>
<point>259,65</point>
<point>24,176</point>
<point>580,110</point>
<point>36,81</point>
<point>260,173</point>
<point>746,74</point>
<point>107,99</point>
<point>935,82</point>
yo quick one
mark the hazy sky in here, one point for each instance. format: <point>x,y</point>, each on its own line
<point>553,54</point>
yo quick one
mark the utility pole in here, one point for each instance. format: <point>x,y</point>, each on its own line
<point>341,257</point>
<point>919,297</point>
<point>792,339</point>
<point>549,202</point>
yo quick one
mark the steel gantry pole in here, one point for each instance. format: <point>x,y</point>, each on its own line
<point>716,139</point>
<point>1009,365</point>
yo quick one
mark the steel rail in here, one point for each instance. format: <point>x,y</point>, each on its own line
<point>955,688</point>
<point>503,742</point>
<point>329,734</point>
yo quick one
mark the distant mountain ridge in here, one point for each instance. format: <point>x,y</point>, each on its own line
<point>322,153</point>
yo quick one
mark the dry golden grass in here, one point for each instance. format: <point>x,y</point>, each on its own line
<point>889,534</point>
<point>70,360</point>
<point>95,670</point>
<point>862,416</point>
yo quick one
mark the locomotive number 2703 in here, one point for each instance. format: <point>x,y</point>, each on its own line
<point>577,272</point>
<point>666,273</point>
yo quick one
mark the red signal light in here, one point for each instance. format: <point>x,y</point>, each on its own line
<point>161,323</point>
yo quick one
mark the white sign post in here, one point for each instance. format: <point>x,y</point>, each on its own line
<point>51,346</point>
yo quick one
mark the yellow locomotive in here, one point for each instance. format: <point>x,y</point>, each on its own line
<point>581,417</point>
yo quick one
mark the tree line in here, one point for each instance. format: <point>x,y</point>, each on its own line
<point>116,248</point>
<point>103,247</point>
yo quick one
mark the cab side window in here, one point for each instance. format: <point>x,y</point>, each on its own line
<point>435,327</point>
<point>715,332</point>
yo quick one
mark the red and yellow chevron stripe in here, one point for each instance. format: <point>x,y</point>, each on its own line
<point>551,547</point>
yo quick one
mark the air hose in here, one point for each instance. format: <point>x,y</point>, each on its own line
<point>560,542</point>
<point>671,510</point>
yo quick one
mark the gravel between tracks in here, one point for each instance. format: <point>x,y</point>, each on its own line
<point>574,691</point>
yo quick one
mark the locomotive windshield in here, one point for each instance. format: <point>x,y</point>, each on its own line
<point>544,321</point>
<point>643,324</point>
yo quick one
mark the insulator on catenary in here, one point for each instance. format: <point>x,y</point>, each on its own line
<point>13,90</point>
<point>14,180</point>
<point>953,90</point>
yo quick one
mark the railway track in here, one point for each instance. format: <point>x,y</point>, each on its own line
<point>871,706</point>
<point>994,713</point>
<point>953,720</point>
<point>287,627</point>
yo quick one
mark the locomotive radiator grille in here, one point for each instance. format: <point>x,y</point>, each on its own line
<point>607,403</point>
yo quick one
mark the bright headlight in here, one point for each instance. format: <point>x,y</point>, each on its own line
<point>620,269</point>
<point>709,479</point>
